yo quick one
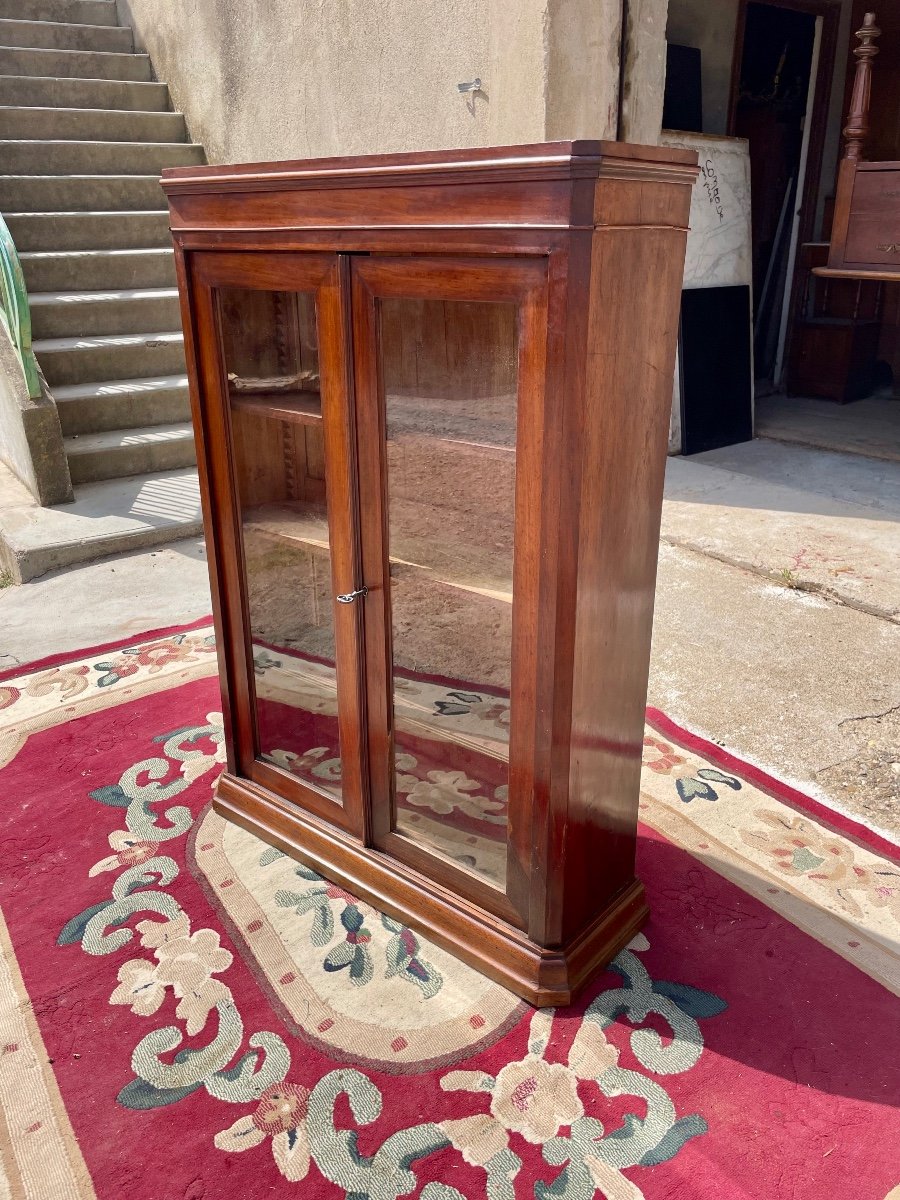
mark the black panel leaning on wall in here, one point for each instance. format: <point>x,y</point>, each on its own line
<point>716,367</point>
<point>683,98</point>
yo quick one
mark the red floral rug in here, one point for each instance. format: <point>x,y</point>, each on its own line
<point>186,1014</point>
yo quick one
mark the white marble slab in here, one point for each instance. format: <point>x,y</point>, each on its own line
<point>718,245</point>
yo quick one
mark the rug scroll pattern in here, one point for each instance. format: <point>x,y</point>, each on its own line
<point>532,1097</point>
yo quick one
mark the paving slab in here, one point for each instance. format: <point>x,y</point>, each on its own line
<point>849,478</point>
<point>870,426</point>
<point>803,538</point>
<point>104,602</point>
<point>114,515</point>
<point>806,688</point>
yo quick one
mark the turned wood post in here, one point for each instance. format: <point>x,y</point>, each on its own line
<point>857,127</point>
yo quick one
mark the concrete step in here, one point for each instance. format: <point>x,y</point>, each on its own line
<point>122,404</point>
<point>80,193</point>
<point>73,64</point>
<point>60,35</point>
<point>80,314</point>
<point>116,453</point>
<point>87,231</point>
<point>106,518</point>
<point>96,158</point>
<point>116,356</point>
<point>80,12</point>
<point>36,92</point>
<point>93,270</point>
<point>90,124</point>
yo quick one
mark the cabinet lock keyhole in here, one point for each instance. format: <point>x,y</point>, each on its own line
<point>349,597</point>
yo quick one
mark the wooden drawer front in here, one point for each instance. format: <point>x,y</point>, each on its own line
<point>873,233</point>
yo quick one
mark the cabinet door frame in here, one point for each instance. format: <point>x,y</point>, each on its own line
<point>326,277</point>
<point>524,281</point>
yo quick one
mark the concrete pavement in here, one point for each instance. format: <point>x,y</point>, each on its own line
<point>103,602</point>
<point>814,520</point>
<point>806,688</point>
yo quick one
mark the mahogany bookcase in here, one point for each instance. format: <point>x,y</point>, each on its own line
<point>431,398</point>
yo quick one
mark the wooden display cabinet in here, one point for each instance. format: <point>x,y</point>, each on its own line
<point>431,398</point>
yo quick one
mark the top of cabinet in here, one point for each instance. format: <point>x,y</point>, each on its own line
<point>532,185</point>
<point>550,160</point>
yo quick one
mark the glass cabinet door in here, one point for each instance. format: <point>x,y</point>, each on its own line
<point>285,405</point>
<point>447,375</point>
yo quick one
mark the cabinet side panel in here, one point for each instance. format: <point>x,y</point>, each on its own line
<point>547,550</point>
<point>635,291</point>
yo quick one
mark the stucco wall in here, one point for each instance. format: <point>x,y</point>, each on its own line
<point>644,73</point>
<point>31,442</point>
<point>293,79</point>
<point>14,449</point>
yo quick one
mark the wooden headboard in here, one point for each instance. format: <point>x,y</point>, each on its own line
<point>866,231</point>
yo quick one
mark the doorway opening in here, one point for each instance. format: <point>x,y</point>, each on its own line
<point>772,109</point>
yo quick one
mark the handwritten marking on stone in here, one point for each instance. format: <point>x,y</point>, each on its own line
<point>711,183</point>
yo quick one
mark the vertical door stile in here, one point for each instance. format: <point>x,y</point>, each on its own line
<point>341,458</point>
<point>224,515</point>
<point>199,416</point>
<point>527,777</point>
<point>371,480</point>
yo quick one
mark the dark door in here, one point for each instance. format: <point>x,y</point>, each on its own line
<point>770,111</point>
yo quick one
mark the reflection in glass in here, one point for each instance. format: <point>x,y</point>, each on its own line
<point>271,357</point>
<point>450,379</point>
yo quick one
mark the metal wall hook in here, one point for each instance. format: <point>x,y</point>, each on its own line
<point>471,90</point>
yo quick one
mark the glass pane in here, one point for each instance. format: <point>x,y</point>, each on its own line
<point>271,356</point>
<point>450,378</point>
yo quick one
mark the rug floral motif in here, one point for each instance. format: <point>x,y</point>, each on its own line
<point>187,1013</point>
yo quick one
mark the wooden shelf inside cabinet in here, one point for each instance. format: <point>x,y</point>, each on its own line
<point>436,694</point>
<point>303,407</point>
<point>310,530</point>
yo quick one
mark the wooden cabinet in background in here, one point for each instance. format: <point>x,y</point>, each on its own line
<point>431,399</point>
<point>834,344</point>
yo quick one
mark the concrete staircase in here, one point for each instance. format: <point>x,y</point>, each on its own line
<point>84,132</point>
